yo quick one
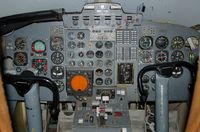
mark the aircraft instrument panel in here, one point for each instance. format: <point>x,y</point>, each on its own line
<point>105,47</point>
<point>98,53</point>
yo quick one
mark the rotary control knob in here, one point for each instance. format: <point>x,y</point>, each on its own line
<point>79,83</point>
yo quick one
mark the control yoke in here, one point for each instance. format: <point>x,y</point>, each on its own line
<point>164,69</point>
<point>26,79</point>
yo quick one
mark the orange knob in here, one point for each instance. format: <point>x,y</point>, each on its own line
<point>79,83</point>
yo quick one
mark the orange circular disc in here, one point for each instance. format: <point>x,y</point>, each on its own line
<point>79,83</point>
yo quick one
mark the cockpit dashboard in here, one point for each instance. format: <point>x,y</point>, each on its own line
<point>97,54</point>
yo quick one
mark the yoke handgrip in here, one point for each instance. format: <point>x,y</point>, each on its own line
<point>164,69</point>
<point>23,83</point>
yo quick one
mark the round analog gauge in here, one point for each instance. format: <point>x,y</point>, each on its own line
<point>108,44</point>
<point>161,56</point>
<point>145,57</point>
<point>177,72</point>
<point>99,54</point>
<point>177,56</point>
<point>99,63</point>
<point>108,72</point>
<point>108,81</point>
<point>81,54</point>
<point>192,42</point>
<point>90,54</point>
<point>97,22</point>
<point>72,63</point>
<point>81,35</point>
<point>38,46</point>
<point>81,63</point>
<point>146,42</point>
<point>40,65</point>
<point>90,63</point>
<point>108,54</point>
<point>20,43</point>
<point>57,57</point>
<point>71,45</point>
<point>75,22</point>
<point>108,63</point>
<point>99,72</point>
<point>57,44</point>
<point>99,81</point>
<point>71,35</point>
<point>71,54</point>
<point>162,42</point>
<point>86,22</point>
<point>60,85</point>
<point>177,42</point>
<point>20,59</point>
<point>118,22</point>
<point>99,44</point>
<point>81,45</point>
<point>57,72</point>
